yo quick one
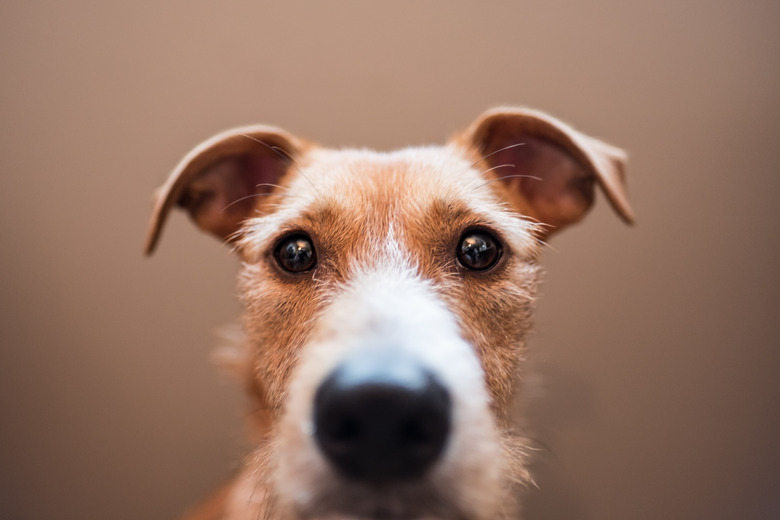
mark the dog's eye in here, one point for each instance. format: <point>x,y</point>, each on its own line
<point>295,253</point>
<point>478,250</point>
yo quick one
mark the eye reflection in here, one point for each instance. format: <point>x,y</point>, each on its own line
<point>478,251</point>
<point>295,254</point>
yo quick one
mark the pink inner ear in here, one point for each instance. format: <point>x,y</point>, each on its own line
<point>548,183</point>
<point>224,195</point>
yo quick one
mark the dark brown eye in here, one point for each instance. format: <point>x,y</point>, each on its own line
<point>295,253</point>
<point>478,250</point>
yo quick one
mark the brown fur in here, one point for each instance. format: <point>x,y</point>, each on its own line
<point>350,202</point>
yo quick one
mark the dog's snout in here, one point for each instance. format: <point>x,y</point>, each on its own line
<point>382,417</point>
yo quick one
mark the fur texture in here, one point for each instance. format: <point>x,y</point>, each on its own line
<point>386,228</point>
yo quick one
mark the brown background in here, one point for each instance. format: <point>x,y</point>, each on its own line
<point>658,344</point>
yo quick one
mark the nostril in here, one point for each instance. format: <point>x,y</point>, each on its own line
<point>381,417</point>
<point>341,431</point>
<point>420,433</point>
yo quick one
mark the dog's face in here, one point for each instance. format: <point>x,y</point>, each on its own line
<point>387,300</point>
<point>386,280</point>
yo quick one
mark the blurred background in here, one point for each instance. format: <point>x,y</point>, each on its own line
<point>656,348</point>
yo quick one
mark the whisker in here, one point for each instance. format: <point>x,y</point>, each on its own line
<point>253,195</point>
<point>471,186</point>
<point>272,185</point>
<point>289,159</point>
<point>282,152</point>
<point>496,151</point>
<point>507,165</point>
<point>518,176</point>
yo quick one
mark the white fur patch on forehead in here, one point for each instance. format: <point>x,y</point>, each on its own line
<point>327,169</point>
<point>348,174</point>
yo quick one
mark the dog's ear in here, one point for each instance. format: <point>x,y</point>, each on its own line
<point>549,168</point>
<point>219,180</point>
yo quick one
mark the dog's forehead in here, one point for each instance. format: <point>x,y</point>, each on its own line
<point>407,175</point>
<point>373,192</point>
<point>392,186</point>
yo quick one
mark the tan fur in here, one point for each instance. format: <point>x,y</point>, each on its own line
<point>372,217</point>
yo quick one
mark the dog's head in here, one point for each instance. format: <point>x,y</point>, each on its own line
<point>387,300</point>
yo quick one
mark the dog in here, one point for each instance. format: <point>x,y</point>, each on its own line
<point>387,300</point>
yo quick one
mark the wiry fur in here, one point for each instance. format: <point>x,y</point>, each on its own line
<point>385,227</point>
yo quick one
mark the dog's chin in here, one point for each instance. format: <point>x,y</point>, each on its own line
<point>355,501</point>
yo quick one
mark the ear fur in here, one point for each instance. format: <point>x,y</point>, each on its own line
<point>217,181</point>
<point>548,167</point>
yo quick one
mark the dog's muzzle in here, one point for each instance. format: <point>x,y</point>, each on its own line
<point>381,417</point>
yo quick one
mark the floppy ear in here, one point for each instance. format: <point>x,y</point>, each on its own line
<point>548,168</point>
<point>218,180</point>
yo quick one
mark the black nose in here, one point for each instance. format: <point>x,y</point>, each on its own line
<point>381,417</point>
